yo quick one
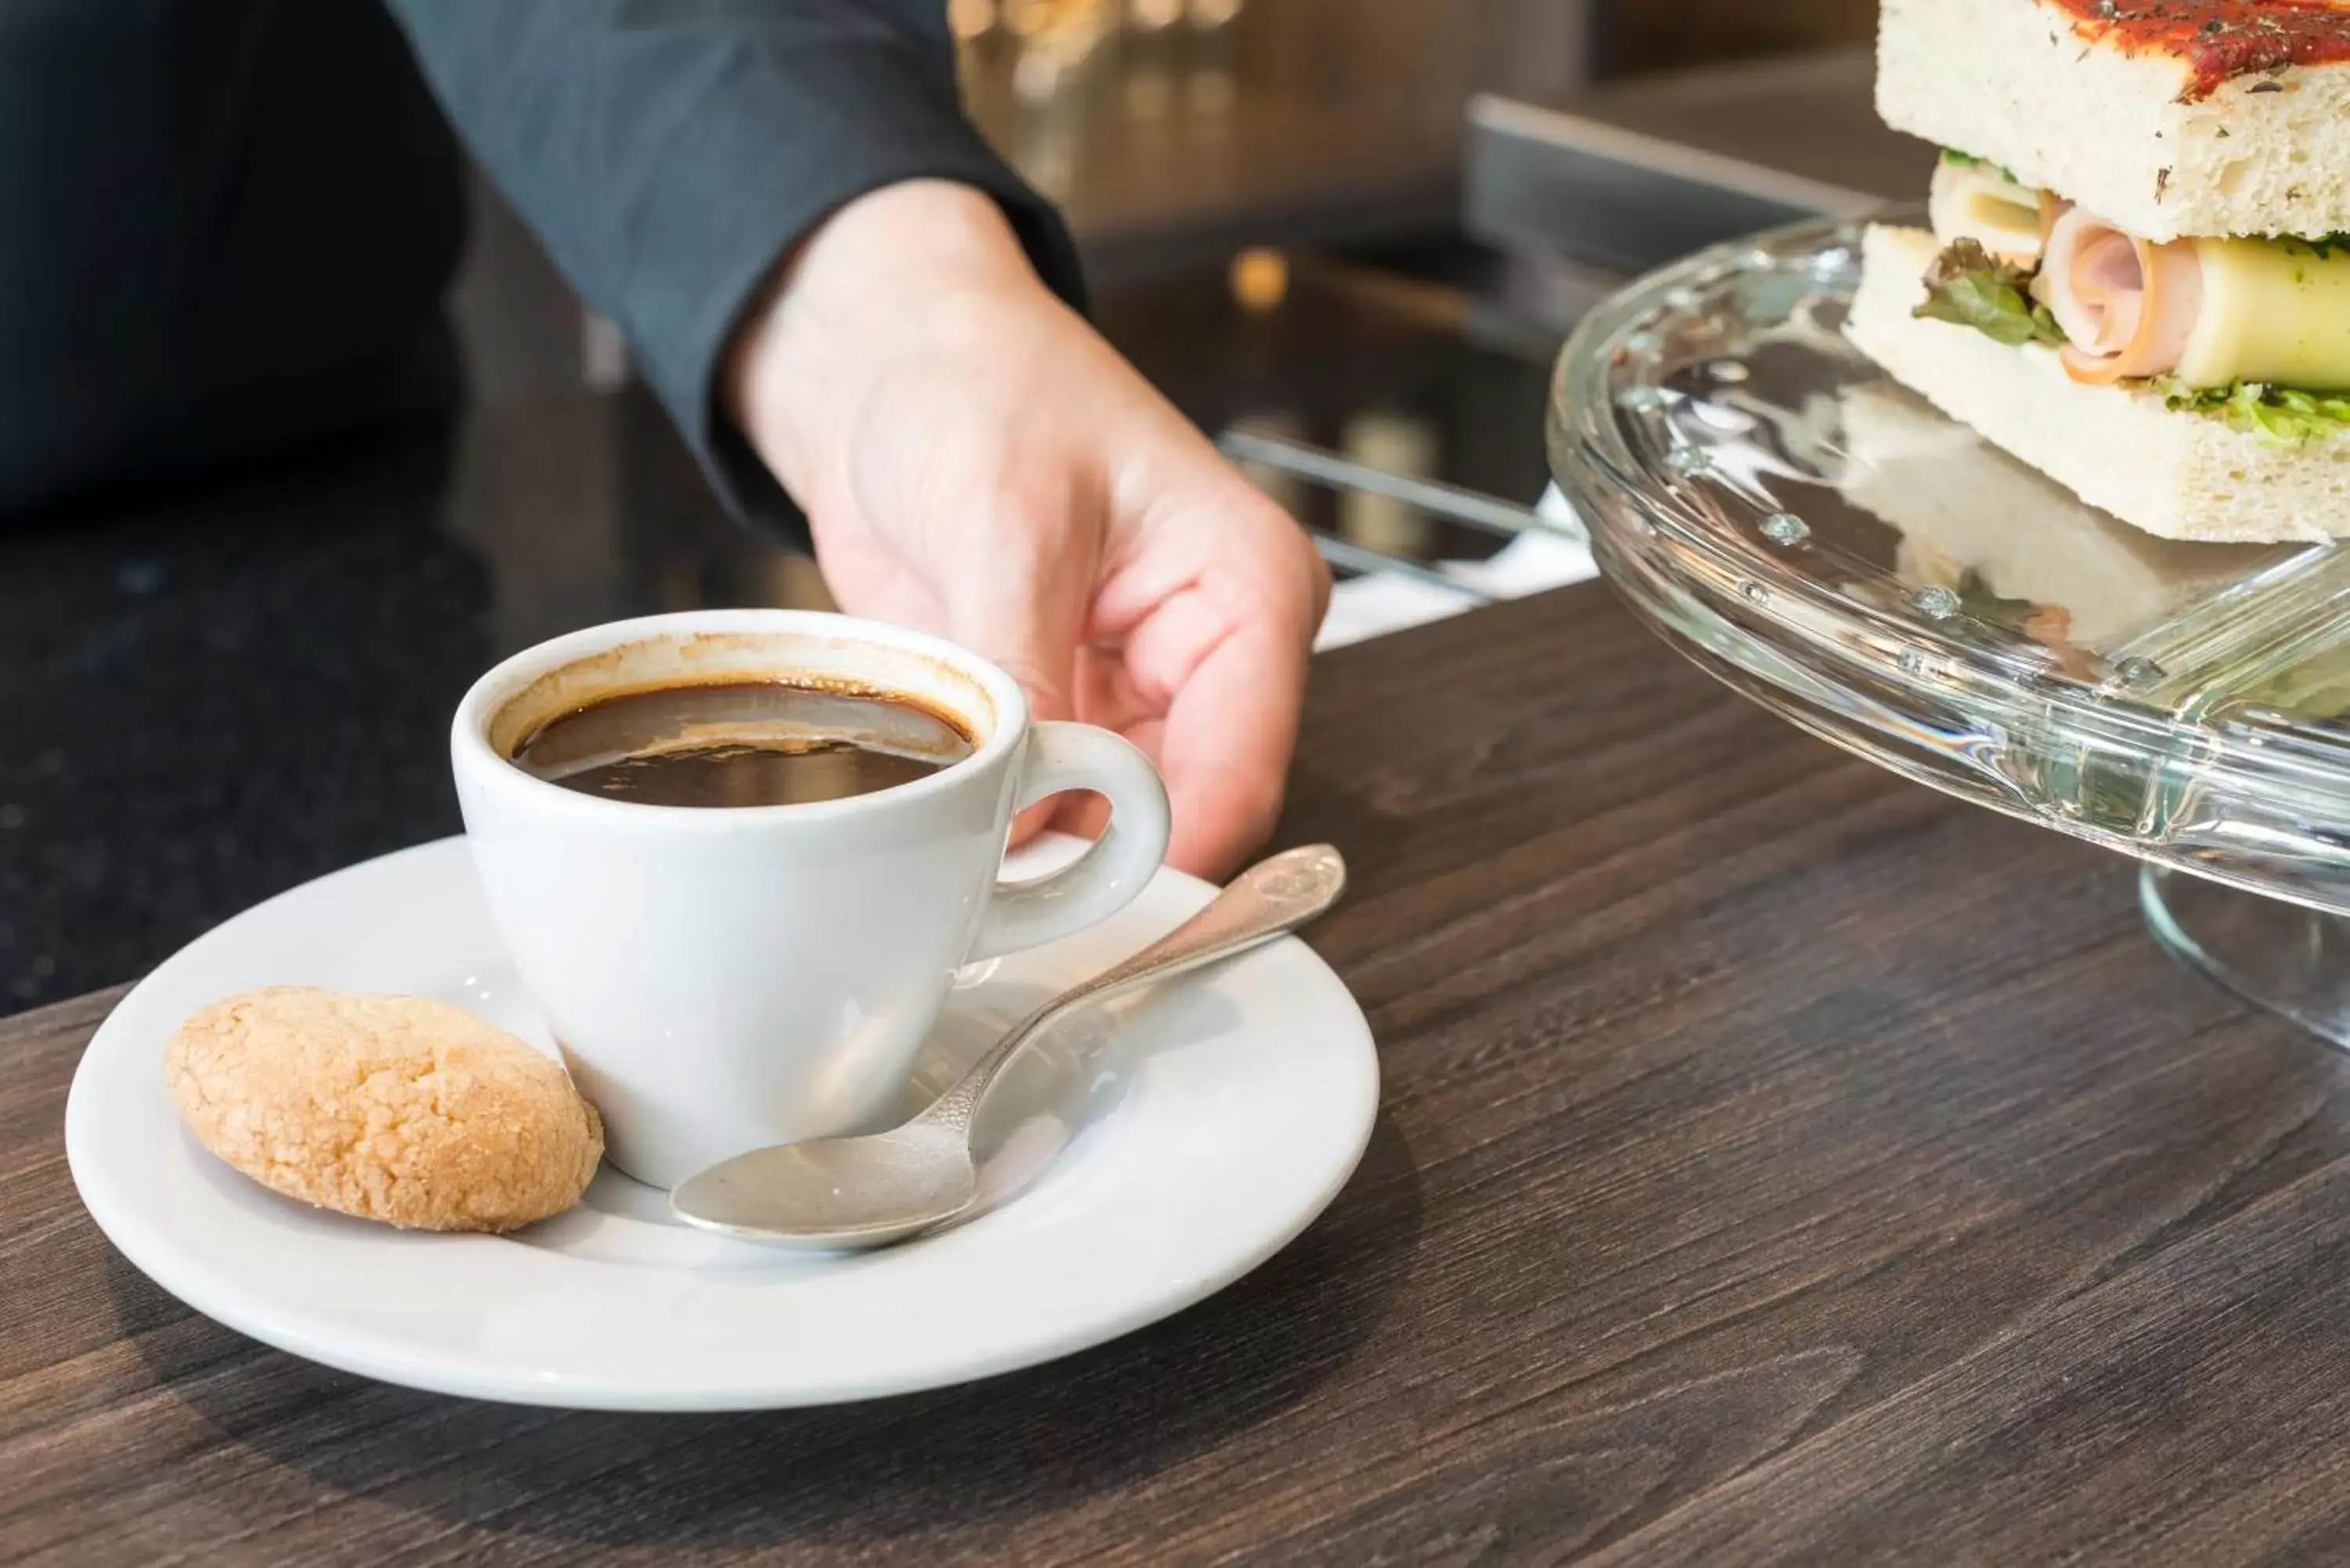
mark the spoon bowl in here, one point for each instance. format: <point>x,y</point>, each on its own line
<point>836,1193</point>
<point>848,1193</point>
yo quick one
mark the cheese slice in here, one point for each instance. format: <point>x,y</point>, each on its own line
<point>1976,202</point>
<point>2276,311</point>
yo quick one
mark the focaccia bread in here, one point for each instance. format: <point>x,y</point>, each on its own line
<point>2166,117</point>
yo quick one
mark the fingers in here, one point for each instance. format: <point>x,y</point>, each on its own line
<point>1034,821</point>
<point>1021,601</point>
<point>1022,605</point>
<point>1081,815</point>
<point>1216,609</point>
<point>1106,697</point>
<point>1230,729</point>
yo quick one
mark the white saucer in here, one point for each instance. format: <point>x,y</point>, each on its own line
<point>1204,1127</point>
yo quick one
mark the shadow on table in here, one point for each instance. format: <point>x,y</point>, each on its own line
<point>968,1464</point>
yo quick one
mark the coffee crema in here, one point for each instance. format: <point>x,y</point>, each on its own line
<point>743,743</point>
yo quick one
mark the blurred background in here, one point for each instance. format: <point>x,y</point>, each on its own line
<point>1274,201</point>
<point>1357,229</point>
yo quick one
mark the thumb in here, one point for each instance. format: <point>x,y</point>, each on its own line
<point>1029,628</point>
<point>1024,610</point>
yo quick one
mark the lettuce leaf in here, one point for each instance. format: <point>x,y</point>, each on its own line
<point>1951,155</point>
<point>2323,246</point>
<point>2279,416</point>
<point>1968,286</point>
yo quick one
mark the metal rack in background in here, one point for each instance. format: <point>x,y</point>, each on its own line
<point>1579,196</point>
<point>1472,509</point>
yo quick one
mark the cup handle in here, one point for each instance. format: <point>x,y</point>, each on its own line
<point>1107,877</point>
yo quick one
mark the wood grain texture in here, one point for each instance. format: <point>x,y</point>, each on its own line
<point>1778,1162</point>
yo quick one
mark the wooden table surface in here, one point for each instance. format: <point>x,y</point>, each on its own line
<point>1778,1162</point>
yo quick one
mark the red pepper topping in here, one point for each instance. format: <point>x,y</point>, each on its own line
<point>2220,40</point>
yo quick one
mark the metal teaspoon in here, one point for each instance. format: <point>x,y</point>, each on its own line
<point>843,1194</point>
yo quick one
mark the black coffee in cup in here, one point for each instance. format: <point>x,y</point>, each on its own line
<point>743,743</point>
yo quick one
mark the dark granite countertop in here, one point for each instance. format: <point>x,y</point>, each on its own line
<point>206,701</point>
<point>211,696</point>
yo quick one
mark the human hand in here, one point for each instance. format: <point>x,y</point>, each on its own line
<point>976,463</point>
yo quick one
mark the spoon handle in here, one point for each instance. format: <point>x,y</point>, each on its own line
<point>1273,897</point>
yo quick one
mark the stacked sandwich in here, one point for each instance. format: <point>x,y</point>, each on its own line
<point>2137,279</point>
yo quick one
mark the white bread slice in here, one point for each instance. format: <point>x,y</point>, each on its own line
<point>2015,82</point>
<point>2182,475</point>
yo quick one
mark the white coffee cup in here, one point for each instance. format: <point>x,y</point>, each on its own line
<point>724,978</point>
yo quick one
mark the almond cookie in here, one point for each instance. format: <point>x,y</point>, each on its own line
<point>388,1108</point>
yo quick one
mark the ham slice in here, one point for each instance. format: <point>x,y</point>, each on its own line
<point>2128,306</point>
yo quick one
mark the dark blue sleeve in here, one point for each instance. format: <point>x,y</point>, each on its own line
<point>668,153</point>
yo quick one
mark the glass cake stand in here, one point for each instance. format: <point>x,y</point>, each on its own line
<point>1832,547</point>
